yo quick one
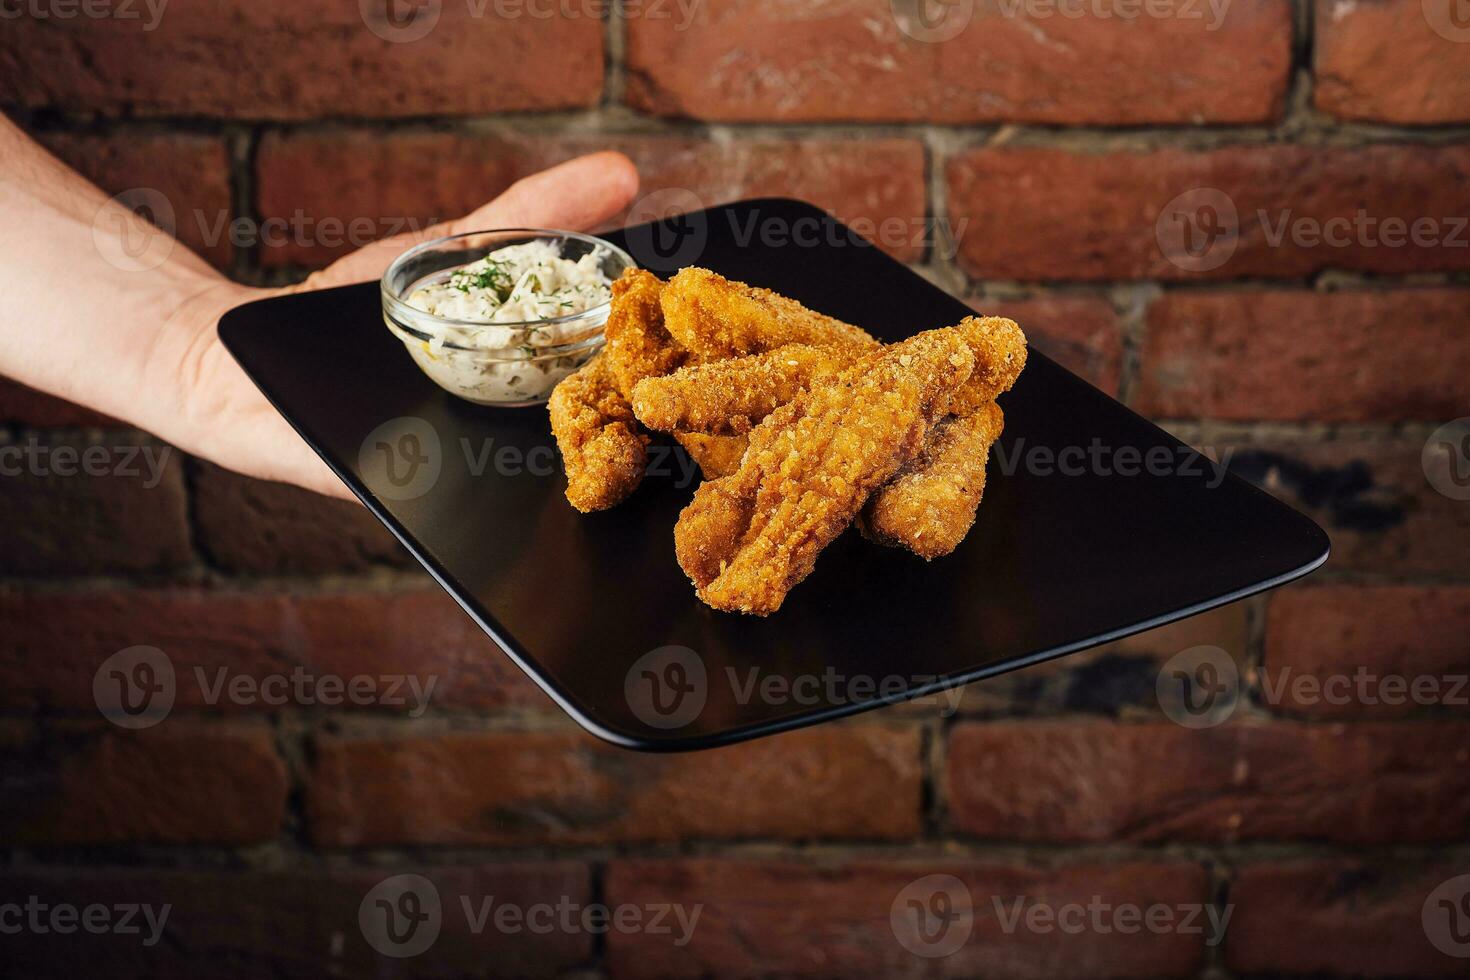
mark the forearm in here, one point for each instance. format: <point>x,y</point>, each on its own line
<point>88,290</point>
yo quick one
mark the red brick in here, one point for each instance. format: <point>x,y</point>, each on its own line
<point>408,180</point>
<point>56,642</point>
<point>1036,214</point>
<point>178,782</point>
<point>277,59</point>
<point>191,172</point>
<point>766,60</point>
<point>1393,635</point>
<point>783,918</point>
<point>1370,497</point>
<point>29,407</point>
<point>117,521</point>
<point>1383,61</point>
<point>513,788</point>
<point>249,525</point>
<point>299,923</point>
<point>1296,355</point>
<point>1080,332</point>
<point>1101,781</point>
<point>1336,917</point>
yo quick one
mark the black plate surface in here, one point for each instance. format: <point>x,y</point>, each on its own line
<point>595,608</point>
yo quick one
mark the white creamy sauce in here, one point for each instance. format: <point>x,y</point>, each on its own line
<point>500,295</point>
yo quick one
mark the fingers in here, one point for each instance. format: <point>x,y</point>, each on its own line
<point>296,463</point>
<point>577,195</point>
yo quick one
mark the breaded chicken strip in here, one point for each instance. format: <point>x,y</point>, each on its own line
<point>638,346</point>
<point>930,505</point>
<point>715,318</point>
<point>999,347</point>
<point>733,396</point>
<point>602,449</point>
<point>747,539</point>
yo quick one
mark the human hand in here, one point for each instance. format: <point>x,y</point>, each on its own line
<point>227,419</point>
<point>137,340</point>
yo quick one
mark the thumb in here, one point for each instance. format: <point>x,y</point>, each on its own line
<point>577,195</point>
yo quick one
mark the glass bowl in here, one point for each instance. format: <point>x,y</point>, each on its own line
<point>509,364</point>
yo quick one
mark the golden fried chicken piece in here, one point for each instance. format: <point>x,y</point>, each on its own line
<point>638,346</point>
<point>747,539</point>
<point>930,505</point>
<point>733,396</point>
<point>602,449</point>
<point>999,347</point>
<point>717,456</point>
<point>716,318</point>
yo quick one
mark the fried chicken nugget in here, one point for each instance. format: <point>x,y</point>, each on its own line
<point>930,505</point>
<point>733,396</point>
<point>716,318</point>
<point>747,539</point>
<point>603,451</point>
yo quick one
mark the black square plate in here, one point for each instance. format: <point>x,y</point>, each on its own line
<point>595,608</point>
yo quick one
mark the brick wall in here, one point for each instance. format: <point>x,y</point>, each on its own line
<point>1077,172</point>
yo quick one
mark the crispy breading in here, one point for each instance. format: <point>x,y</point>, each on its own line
<point>638,346</point>
<point>602,449</point>
<point>930,505</point>
<point>733,396</point>
<point>999,347</point>
<point>747,539</point>
<point>715,318</point>
<point>717,456</point>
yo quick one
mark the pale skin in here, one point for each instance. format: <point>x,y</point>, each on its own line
<point>139,344</point>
